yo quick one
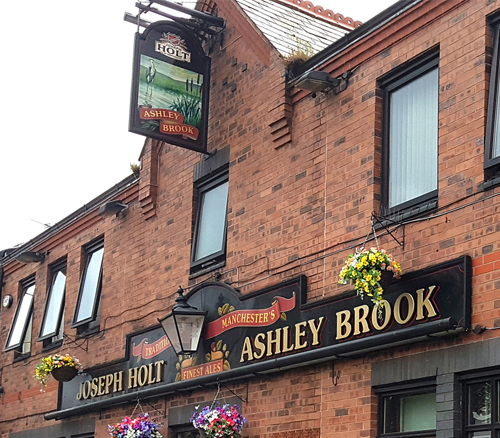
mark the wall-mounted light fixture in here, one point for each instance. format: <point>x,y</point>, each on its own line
<point>321,81</point>
<point>30,257</point>
<point>317,81</point>
<point>183,325</point>
<point>112,207</point>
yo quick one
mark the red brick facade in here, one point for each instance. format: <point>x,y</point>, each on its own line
<point>304,178</point>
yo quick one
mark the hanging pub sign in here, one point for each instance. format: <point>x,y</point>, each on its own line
<point>170,86</point>
<point>276,328</point>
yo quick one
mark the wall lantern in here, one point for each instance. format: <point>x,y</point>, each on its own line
<point>110,208</point>
<point>30,257</point>
<point>183,326</point>
<point>317,81</point>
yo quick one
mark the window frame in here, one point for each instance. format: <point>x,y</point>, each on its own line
<point>494,426</point>
<point>218,258</point>
<point>26,286</point>
<point>408,389</point>
<point>54,269</point>
<point>392,81</point>
<point>88,251</point>
<point>492,164</point>
<point>185,431</point>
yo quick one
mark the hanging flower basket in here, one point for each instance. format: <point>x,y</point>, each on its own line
<point>370,271</point>
<point>218,421</point>
<point>141,427</point>
<point>64,373</point>
<point>62,367</point>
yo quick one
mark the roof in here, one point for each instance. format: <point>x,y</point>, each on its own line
<point>361,33</point>
<point>9,254</point>
<point>297,25</point>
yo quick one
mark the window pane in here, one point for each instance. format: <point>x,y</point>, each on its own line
<point>22,317</point>
<point>409,413</point>
<point>26,347</point>
<point>212,221</point>
<point>418,412</point>
<point>54,303</point>
<point>480,434</point>
<point>189,434</point>
<point>60,334</point>
<point>479,396</point>
<point>413,139</point>
<point>498,403</point>
<point>90,284</point>
<point>495,152</point>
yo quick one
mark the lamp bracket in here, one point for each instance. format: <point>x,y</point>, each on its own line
<point>205,25</point>
<point>322,82</point>
<point>377,221</point>
<point>67,338</point>
<point>219,384</point>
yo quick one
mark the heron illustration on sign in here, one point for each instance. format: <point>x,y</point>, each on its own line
<point>150,75</point>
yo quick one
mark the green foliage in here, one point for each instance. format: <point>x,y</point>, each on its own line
<point>189,106</point>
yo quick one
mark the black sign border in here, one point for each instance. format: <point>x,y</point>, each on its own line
<point>353,347</point>
<point>202,65</point>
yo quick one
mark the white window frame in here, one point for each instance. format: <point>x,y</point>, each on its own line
<point>218,257</point>
<point>21,322</point>
<point>90,287</point>
<point>54,308</point>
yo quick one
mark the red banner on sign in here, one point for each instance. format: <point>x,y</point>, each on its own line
<point>171,122</point>
<point>250,318</point>
<point>147,350</point>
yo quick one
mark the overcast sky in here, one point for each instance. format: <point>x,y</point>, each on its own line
<point>65,85</point>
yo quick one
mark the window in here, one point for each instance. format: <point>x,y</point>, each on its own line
<point>410,135</point>
<point>52,327</point>
<point>20,332</point>
<point>88,303</point>
<point>186,432</point>
<point>66,429</point>
<point>407,411</point>
<point>492,138</point>
<point>209,242</point>
<point>481,407</point>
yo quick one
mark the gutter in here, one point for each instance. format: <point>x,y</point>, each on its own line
<point>1,280</point>
<point>362,32</point>
<point>68,220</point>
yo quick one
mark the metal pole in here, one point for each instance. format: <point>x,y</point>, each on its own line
<point>214,21</point>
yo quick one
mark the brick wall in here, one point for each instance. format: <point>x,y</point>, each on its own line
<point>298,204</point>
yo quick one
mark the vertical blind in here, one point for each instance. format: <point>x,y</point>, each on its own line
<point>413,139</point>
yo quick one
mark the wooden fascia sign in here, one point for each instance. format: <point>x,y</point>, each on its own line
<point>275,328</point>
<point>170,86</point>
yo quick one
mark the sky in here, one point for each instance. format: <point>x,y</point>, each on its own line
<point>65,79</point>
